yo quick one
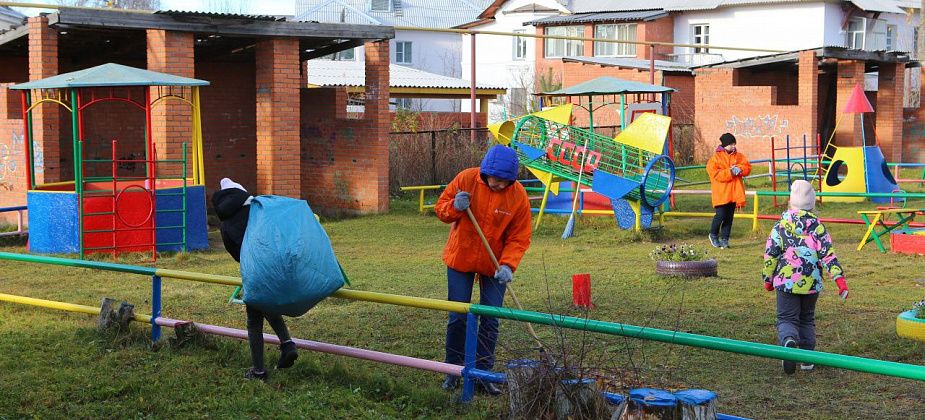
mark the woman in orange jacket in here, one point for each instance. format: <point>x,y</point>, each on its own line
<point>502,209</point>
<point>727,168</point>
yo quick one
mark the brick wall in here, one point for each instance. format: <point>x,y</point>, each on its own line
<point>784,79</point>
<point>345,161</point>
<point>658,30</point>
<point>46,118</point>
<point>848,130</point>
<point>890,111</point>
<point>14,69</point>
<point>170,52</point>
<point>277,83</point>
<point>229,129</point>
<point>751,113</point>
<point>12,153</point>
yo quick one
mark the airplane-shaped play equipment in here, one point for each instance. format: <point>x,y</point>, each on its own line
<point>630,166</point>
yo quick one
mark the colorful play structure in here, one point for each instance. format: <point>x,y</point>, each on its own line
<point>473,311</point>
<point>108,207</point>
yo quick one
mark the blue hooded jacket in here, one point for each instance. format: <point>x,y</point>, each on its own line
<point>500,162</point>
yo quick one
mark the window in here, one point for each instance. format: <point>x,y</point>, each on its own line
<point>520,46</point>
<point>624,32</point>
<point>855,33</point>
<point>345,55</point>
<point>561,47</point>
<point>890,37</point>
<point>403,103</point>
<point>701,36</point>
<point>403,52</point>
<point>380,5</point>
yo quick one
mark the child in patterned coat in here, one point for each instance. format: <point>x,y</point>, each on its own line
<point>797,249</point>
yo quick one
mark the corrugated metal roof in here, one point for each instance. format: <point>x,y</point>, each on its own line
<point>608,86</point>
<point>194,13</point>
<point>588,6</point>
<point>631,16</point>
<point>110,74</point>
<point>629,62</point>
<point>353,73</point>
<point>419,13</point>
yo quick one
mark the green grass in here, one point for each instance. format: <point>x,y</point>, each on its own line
<point>55,364</point>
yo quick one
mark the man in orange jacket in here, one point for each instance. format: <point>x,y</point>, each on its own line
<point>502,209</point>
<point>727,168</point>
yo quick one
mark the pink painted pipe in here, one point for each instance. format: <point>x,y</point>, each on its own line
<point>375,356</point>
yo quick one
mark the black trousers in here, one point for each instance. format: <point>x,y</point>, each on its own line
<point>255,333</point>
<point>722,221</point>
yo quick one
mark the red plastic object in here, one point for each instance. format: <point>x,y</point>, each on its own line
<point>858,102</point>
<point>905,241</point>
<point>581,290</point>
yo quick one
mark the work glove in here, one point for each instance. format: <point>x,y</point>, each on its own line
<point>736,170</point>
<point>461,201</point>
<point>768,286</point>
<point>504,275</point>
<point>842,288</point>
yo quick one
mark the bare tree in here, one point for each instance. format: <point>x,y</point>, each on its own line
<point>114,4</point>
<point>228,6</point>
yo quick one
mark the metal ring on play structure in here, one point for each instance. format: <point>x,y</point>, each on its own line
<point>115,205</point>
<point>645,177</point>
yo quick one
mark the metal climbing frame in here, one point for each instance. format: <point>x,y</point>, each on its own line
<point>567,152</point>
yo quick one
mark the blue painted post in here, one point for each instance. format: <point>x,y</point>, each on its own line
<point>155,307</point>
<point>472,339</point>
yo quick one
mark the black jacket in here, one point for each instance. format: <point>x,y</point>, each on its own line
<point>230,208</point>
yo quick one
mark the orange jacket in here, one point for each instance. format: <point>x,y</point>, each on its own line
<point>725,187</point>
<point>504,217</point>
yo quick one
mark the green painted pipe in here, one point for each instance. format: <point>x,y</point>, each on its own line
<point>69,262</point>
<point>846,194</point>
<point>859,364</point>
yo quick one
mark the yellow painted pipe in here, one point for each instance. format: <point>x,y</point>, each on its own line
<point>693,214</point>
<point>539,216</point>
<point>206,278</point>
<point>421,187</point>
<point>414,302</point>
<point>64,306</point>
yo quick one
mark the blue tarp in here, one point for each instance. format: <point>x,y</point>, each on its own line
<point>287,263</point>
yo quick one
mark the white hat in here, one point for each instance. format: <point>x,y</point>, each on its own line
<point>802,195</point>
<point>227,183</point>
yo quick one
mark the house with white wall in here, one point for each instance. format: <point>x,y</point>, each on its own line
<point>504,60</point>
<point>433,52</point>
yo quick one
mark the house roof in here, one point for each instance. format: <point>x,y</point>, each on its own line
<point>871,57</point>
<point>10,18</point>
<point>110,74</point>
<point>494,6</point>
<point>607,86</point>
<point>630,62</point>
<point>589,6</point>
<point>329,73</point>
<point>629,16</point>
<point>418,13</point>
<point>227,35</point>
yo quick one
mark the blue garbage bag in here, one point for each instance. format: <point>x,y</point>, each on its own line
<point>287,263</point>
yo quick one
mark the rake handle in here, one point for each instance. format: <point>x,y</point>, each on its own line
<point>494,261</point>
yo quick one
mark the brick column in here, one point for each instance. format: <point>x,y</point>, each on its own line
<point>46,118</point>
<point>378,118</point>
<point>171,120</point>
<point>278,120</point>
<point>848,132</point>
<point>890,110</point>
<point>808,92</point>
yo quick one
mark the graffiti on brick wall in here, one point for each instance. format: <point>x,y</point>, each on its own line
<point>11,155</point>
<point>759,126</point>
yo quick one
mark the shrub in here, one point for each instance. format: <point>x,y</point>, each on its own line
<point>675,252</point>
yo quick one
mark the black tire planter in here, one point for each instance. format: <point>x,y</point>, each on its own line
<point>705,268</point>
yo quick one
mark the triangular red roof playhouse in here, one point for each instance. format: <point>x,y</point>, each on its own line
<point>858,102</point>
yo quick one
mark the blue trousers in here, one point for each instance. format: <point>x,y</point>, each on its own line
<point>491,293</point>
<point>796,318</point>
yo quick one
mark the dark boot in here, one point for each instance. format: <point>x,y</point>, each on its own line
<point>256,374</point>
<point>789,365</point>
<point>450,383</point>
<point>287,355</point>
<point>488,388</point>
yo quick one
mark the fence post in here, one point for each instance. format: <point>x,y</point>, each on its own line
<point>433,157</point>
<point>472,332</point>
<point>155,307</point>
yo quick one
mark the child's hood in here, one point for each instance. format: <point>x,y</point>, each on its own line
<point>228,201</point>
<point>799,222</point>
